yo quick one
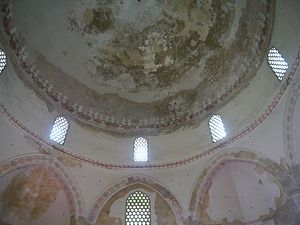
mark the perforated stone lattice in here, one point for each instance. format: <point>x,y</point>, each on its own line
<point>59,130</point>
<point>216,127</point>
<point>140,150</point>
<point>277,63</point>
<point>138,210</point>
<point>3,60</point>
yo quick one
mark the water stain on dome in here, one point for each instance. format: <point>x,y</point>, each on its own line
<point>149,66</point>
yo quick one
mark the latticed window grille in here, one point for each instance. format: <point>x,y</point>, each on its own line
<point>138,209</point>
<point>216,127</point>
<point>59,130</point>
<point>277,63</point>
<point>140,149</point>
<point>3,60</point>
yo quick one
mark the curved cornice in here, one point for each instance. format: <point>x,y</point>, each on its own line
<point>145,124</point>
<point>288,135</point>
<point>263,116</point>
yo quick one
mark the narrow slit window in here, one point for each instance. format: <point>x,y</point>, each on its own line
<point>216,127</point>
<point>138,209</point>
<point>59,130</point>
<point>277,63</point>
<point>140,149</point>
<point>3,60</point>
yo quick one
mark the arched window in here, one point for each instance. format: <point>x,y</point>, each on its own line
<point>59,130</point>
<point>138,209</point>
<point>216,127</point>
<point>3,60</point>
<point>140,149</point>
<point>277,63</point>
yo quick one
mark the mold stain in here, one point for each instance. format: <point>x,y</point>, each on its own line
<point>161,54</point>
<point>29,195</point>
<point>92,21</point>
<point>98,20</point>
<point>189,50</point>
<point>224,19</point>
<point>176,105</point>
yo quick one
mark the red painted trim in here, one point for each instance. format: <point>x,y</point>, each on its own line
<point>270,108</point>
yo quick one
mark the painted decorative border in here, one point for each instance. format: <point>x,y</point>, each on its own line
<point>270,108</point>
<point>61,174</point>
<point>288,135</point>
<point>206,177</point>
<point>103,120</point>
<point>138,179</point>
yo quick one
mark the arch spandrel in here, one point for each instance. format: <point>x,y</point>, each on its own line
<point>266,171</point>
<point>164,199</point>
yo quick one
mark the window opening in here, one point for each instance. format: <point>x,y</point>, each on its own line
<point>3,60</point>
<point>59,130</point>
<point>216,127</point>
<point>138,209</point>
<point>277,63</point>
<point>140,150</point>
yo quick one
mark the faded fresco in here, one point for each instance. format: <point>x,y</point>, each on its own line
<point>132,66</point>
<point>28,195</point>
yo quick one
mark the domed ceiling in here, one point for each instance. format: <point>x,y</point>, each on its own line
<point>136,66</point>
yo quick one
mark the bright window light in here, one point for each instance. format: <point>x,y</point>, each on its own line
<point>138,210</point>
<point>3,60</point>
<point>277,63</point>
<point>140,150</point>
<point>59,130</point>
<point>216,127</point>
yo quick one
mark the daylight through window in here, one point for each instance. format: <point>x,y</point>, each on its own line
<point>3,60</point>
<point>138,210</point>
<point>277,63</point>
<point>216,127</point>
<point>140,150</point>
<point>59,130</point>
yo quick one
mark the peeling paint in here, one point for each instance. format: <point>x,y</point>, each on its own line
<point>163,212</point>
<point>30,194</point>
<point>125,61</point>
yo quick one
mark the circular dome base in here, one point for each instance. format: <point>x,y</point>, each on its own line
<point>138,67</point>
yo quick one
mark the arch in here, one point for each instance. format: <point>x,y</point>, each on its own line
<point>60,173</point>
<point>131,180</point>
<point>285,182</point>
<point>288,135</point>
